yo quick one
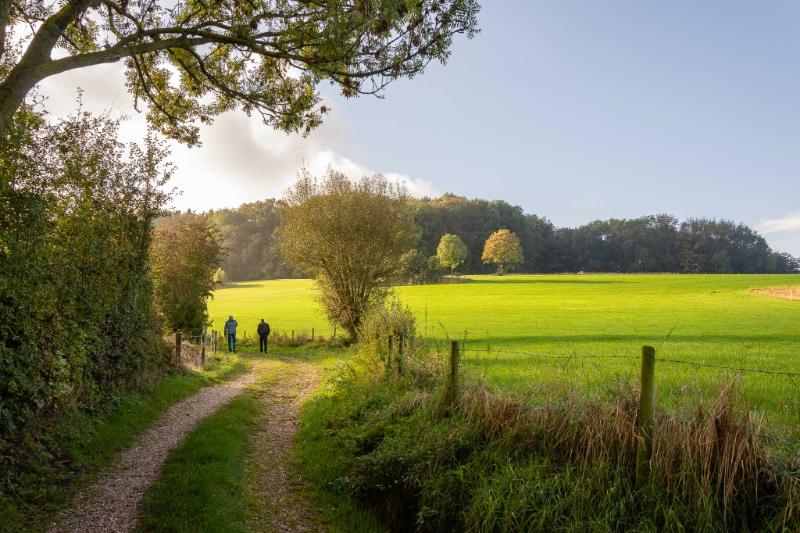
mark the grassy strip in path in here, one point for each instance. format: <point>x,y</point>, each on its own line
<point>91,442</point>
<point>204,486</point>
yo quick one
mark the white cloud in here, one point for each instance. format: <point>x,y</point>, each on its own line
<point>418,187</point>
<point>775,225</point>
<point>240,160</point>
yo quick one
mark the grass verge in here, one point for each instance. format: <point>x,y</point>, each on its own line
<point>497,463</point>
<point>89,443</point>
<point>323,465</point>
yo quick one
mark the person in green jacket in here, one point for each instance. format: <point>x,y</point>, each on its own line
<point>230,333</point>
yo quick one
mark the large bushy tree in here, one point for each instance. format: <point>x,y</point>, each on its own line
<point>186,255</point>
<point>192,60</point>
<point>77,322</point>
<point>349,236</point>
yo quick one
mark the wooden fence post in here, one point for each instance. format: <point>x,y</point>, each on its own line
<point>452,380</point>
<point>389,353</point>
<point>292,336</point>
<point>178,343</point>
<point>400,349</point>
<point>203,349</point>
<point>334,332</point>
<point>312,334</point>
<point>647,404</point>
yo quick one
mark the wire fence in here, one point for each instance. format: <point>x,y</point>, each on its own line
<point>300,336</point>
<point>669,360</point>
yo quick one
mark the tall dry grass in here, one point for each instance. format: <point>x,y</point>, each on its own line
<point>723,456</point>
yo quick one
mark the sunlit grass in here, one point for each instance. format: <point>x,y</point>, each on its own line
<point>528,330</point>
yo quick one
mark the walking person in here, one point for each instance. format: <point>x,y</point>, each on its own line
<point>230,333</point>
<point>263,336</point>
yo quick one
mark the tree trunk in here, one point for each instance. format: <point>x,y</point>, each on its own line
<point>13,91</point>
<point>36,63</point>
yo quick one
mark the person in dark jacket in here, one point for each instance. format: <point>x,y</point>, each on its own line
<point>263,336</point>
<point>230,333</point>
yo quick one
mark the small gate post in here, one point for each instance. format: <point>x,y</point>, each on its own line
<point>400,349</point>
<point>178,343</point>
<point>203,349</point>
<point>452,380</point>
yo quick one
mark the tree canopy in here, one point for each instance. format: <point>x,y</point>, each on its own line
<point>451,251</point>
<point>349,237</point>
<point>192,60</point>
<point>656,243</point>
<point>76,303</point>
<point>503,249</point>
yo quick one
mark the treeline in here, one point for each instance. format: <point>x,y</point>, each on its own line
<point>658,243</point>
<point>251,250</point>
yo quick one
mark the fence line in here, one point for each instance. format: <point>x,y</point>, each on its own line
<point>742,370</point>
<point>489,351</point>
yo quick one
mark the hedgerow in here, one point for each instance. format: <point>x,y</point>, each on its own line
<point>77,322</point>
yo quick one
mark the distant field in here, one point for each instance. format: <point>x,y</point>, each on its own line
<point>584,330</point>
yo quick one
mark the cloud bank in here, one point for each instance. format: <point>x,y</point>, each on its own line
<point>240,160</point>
<point>320,162</point>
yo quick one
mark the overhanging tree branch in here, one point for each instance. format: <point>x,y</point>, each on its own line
<point>264,56</point>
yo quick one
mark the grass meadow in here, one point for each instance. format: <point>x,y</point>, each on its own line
<point>525,333</point>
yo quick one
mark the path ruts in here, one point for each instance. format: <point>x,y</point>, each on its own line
<point>111,504</point>
<point>281,505</point>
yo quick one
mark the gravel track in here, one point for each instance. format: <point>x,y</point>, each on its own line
<point>111,504</point>
<point>271,482</point>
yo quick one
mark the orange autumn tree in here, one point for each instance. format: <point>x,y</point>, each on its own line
<point>503,249</point>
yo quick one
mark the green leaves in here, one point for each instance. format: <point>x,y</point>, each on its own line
<point>76,316</point>
<point>349,237</point>
<point>451,251</point>
<point>192,61</point>
<point>186,254</point>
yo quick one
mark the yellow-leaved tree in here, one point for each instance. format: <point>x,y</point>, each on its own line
<point>503,249</point>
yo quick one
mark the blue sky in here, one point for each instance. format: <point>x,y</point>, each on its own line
<point>584,110</point>
<point>573,110</point>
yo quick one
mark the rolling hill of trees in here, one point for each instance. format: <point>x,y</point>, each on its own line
<point>655,243</point>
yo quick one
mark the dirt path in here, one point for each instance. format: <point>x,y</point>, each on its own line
<point>112,503</point>
<point>282,506</point>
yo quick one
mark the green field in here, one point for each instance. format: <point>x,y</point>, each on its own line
<point>585,330</point>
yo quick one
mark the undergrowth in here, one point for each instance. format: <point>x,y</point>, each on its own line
<point>494,462</point>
